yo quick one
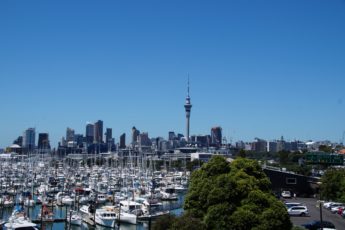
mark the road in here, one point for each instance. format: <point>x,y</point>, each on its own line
<point>314,214</point>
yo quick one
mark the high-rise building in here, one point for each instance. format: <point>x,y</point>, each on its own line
<point>216,136</point>
<point>78,139</point>
<point>89,133</point>
<point>69,134</point>
<point>29,139</point>
<point>98,132</point>
<point>179,136</point>
<point>109,140</point>
<point>43,141</point>
<point>19,141</point>
<point>144,139</point>
<point>188,107</point>
<point>202,140</point>
<point>272,146</point>
<point>259,145</point>
<point>123,141</point>
<point>135,134</point>
<point>172,136</point>
<point>108,135</point>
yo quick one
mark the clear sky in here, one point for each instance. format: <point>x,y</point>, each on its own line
<point>257,68</point>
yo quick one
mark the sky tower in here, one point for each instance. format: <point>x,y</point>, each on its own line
<point>187,107</point>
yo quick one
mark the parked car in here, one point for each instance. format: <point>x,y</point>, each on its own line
<point>331,204</point>
<point>286,194</point>
<point>327,204</point>
<point>316,224</point>
<point>301,210</point>
<point>335,205</point>
<point>341,210</point>
<point>335,209</point>
<point>291,204</point>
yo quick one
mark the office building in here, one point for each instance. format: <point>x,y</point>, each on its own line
<point>89,133</point>
<point>108,135</point>
<point>69,134</point>
<point>123,141</point>
<point>29,139</point>
<point>135,134</point>
<point>18,141</point>
<point>79,139</point>
<point>216,136</point>
<point>144,139</point>
<point>259,145</point>
<point>98,132</point>
<point>43,141</point>
<point>172,136</point>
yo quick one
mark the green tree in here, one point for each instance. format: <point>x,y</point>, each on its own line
<point>187,222</point>
<point>325,148</point>
<point>234,196</point>
<point>242,153</point>
<point>283,157</point>
<point>164,222</point>
<point>333,185</point>
<point>184,222</point>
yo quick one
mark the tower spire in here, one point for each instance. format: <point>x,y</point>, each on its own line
<point>188,107</point>
<point>188,87</point>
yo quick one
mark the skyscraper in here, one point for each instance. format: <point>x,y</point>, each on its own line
<point>172,136</point>
<point>135,134</point>
<point>69,134</point>
<point>123,141</point>
<point>98,132</point>
<point>19,141</point>
<point>89,133</point>
<point>109,140</point>
<point>188,107</point>
<point>216,136</point>
<point>43,141</point>
<point>144,140</point>
<point>108,135</point>
<point>29,139</point>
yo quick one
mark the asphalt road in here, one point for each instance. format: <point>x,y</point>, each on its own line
<point>314,214</point>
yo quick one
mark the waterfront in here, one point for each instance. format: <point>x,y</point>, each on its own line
<point>65,184</point>
<point>60,212</point>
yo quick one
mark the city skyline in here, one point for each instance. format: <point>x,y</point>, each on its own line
<point>264,69</point>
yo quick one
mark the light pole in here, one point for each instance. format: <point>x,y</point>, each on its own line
<point>320,204</point>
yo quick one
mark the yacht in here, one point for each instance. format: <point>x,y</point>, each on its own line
<point>105,217</point>
<point>19,222</point>
<point>74,218</point>
<point>120,215</point>
<point>101,198</point>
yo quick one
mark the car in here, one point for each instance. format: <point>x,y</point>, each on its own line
<point>316,224</point>
<point>331,204</point>
<point>334,205</point>
<point>301,210</point>
<point>291,204</point>
<point>335,209</point>
<point>286,194</point>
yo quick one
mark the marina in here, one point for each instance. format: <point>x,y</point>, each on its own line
<point>87,191</point>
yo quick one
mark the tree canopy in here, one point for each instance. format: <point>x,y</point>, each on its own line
<point>333,185</point>
<point>234,196</point>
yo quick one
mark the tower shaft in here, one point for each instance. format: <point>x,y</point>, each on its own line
<point>188,107</point>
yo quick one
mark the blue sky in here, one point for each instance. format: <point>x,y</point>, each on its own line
<point>257,68</point>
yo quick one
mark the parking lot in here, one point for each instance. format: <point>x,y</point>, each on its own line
<point>314,214</point>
